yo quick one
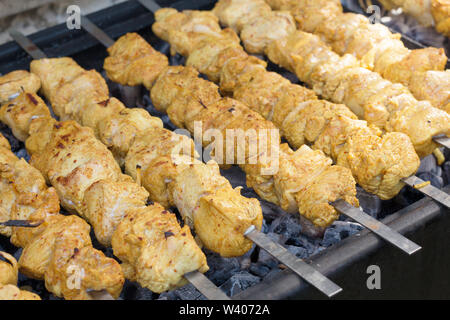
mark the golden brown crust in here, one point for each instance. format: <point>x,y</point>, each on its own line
<point>16,82</point>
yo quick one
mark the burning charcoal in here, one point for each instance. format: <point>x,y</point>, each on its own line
<point>189,292</point>
<point>408,196</point>
<point>177,60</point>
<point>287,225</point>
<point>246,259</point>
<point>266,258</point>
<point>272,274</point>
<point>22,153</point>
<point>259,269</point>
<point>221,269</point>
<point>171,295</point>
<point>239,282</point>
<point>338,231</point>
<point>309,229</point>
<point>310,245</point>
<point>299,252</point>
<point>446,172</point>
<point>427,164</point>
<point>435,180</point>
<point>370,203</point>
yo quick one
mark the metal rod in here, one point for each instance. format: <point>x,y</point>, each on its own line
<point>429,190</point>
<point>152,6</point>
<point>444,141</point>
<point>206,287</point>
<point>27,44</point>
<point>377,227</point>
<point>98,33</point>
<point>300,267</point>
<point>21,223</point>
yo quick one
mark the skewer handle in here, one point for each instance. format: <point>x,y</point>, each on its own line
<point>443,141</point>
<point>300,267</point>
<point>205,286</point>
<point>98,33</point>
<point>429,190</point>
<point>27,45</point>
<point>150,5</point>
<point>377,227</point>
<point>21,223</point>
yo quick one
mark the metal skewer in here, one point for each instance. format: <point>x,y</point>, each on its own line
<point>204,285</point>
<point>444,141</point>
<point>21,223</point>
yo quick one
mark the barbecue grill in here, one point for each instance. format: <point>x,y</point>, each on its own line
<point>345,251</point>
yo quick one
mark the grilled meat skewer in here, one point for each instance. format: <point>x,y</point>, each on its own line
<point>90,183</point>
<point>422,71</point>
<point>59,243</point>
<point>188,99</point>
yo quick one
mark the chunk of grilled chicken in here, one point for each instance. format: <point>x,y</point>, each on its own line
<point>440,9</point>
<point>389,106</point>
<point>51,249</point>
<point>90,182</point>
<point>184,31</point>
<point>9,269</point>
<point>133,61</point>
<point>155,250</point>
<point>433,86</point>
<point>294,109</point>
<point>19,112</point>
<point>374,45</point>
<point>16,82</point>
<point>254,20</point>
<point>8,281</point>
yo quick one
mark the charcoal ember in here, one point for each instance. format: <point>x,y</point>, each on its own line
<point>22,153</point>
<point>246,259</point>
<point>259,269</point>
<point>220,268</point>
<point>272,274</point>
<point>170,295</point>
<point>447,154</point>
<point>434,179</point>
<point>311,246</point>
<point>287,225</point>
<point>265,226</point>
<point>408,196</point>
<point>299,252</point>
<point>177,60</point>
<point>239,282</point>
<point>188,292</point>
<point>339,231</point>
<point>133,291</point>
<point>370,203</point>
<point>427,164</point>
<point>309,229</point>
<point>264,257</point>
<point>446,172</point>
